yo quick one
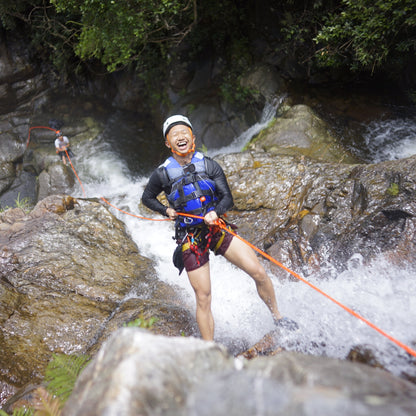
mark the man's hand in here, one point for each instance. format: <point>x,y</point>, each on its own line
<point>171,213</point>
<point>211,218</point>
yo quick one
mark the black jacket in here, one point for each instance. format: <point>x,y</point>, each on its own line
<point>159,182</point>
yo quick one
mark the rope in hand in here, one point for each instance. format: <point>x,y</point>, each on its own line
<point>223,226</point>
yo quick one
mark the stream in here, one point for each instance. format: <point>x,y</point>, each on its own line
<point>117,166</point>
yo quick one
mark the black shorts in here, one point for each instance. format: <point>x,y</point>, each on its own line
<point>219,244</point>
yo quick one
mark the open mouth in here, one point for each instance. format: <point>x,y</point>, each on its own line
<point>182,145</point>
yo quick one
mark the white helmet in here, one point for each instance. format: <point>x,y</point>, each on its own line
<point>172,121</point>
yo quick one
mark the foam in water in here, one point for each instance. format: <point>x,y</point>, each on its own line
<point>391,139</point>
<point>380,292</point>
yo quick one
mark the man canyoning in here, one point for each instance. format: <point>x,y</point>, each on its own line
<point>62,146</point>
<point>196,185</point>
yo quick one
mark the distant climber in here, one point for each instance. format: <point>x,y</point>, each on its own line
<point>62,146</point>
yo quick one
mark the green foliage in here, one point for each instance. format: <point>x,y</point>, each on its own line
<point>393,189</point>
<point>358,35</point>
<point>49,406</point>
<point>21,411</point>
<point>142,322</point>
<point>23,203</point>
<point>233,92</point>
<point>203,149</point>
<point>299,22</point>
<point>62,373</point>
<point>60,377</point>
<point>365,34</point>
<point>114,33</point>
<point>117,32</point>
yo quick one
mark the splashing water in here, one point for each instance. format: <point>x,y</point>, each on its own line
<point>391,139</point>
<point>239,142</point>
<point>380,292</point>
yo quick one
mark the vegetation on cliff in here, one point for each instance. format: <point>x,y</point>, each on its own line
<point>363,36</point>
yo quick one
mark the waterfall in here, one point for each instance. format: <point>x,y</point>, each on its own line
<point>381,292</point>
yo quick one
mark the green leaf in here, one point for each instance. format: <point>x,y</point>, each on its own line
<point>62,373</point>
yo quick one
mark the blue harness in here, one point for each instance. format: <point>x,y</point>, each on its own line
<point>192,191</point>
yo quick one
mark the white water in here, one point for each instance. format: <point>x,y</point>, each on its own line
<point>391,139</point>
<point>381,293</point>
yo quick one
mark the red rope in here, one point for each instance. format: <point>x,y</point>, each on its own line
<point>37,127</point>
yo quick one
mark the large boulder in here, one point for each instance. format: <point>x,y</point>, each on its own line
<point>136,372</point>
<point>308,214</point>
<point>69,276</point>
<point>299,131</point>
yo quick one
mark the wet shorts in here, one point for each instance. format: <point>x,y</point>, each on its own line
<point>219,244</point>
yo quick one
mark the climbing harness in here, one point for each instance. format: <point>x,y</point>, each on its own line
<point>198,241</point>
<point>226,228</point>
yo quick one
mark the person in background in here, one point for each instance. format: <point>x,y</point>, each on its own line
<point>62,145</point>
<point>196,184</point>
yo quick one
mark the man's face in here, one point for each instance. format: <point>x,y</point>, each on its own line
<point>180,139</point>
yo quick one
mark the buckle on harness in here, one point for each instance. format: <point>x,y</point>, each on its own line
<point>188,220</point>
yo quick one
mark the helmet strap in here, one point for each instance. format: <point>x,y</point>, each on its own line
<point>191,150</point>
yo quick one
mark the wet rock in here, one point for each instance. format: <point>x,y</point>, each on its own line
<point>7,175</point>
<point>66,270</point>
<point>265,82</point>
<point>299,131</point>
<point>310,214</point>
<point>363,354</point>
<point>267,346</point>
<point>56,179</point>
<point>136,372</point>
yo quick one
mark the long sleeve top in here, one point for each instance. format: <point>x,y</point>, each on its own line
<point>159,182</point>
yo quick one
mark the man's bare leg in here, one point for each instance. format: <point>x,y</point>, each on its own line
<point>245,258</point>
<point>201,283</point>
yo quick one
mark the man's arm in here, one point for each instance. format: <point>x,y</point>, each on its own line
<point>215,171</point>
<point>153,188</point>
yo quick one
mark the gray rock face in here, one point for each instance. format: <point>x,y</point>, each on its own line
<point>136,372</point>
<point>69,275</point>
<point>299,131</point>
<point>309,214</point>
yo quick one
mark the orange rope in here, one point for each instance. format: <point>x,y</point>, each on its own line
<point>72,166</point>
<point>222,225</point>
<point>132,215</point>
<point>38,127</point>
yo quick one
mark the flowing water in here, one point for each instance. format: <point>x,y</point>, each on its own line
<point>116,168</point>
